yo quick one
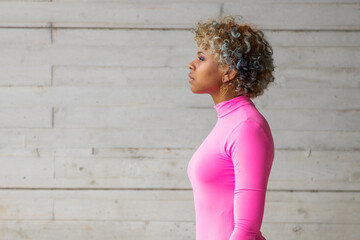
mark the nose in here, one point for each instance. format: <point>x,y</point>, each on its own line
<point>191,66</point>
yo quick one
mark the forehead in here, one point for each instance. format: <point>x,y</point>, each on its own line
<point>200,49</point>
<point>206,52</point>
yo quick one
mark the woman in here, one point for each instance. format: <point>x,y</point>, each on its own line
<point>229,171</point>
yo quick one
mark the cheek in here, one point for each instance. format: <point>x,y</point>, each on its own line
<point>212,77</point>
<point>208,72</point>
<point>207,80</point>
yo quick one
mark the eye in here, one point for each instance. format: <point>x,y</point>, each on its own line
<point>201,59</point>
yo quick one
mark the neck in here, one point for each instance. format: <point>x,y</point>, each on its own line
<point>218,98</point>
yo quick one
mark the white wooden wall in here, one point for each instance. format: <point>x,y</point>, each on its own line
<point>97,121</point>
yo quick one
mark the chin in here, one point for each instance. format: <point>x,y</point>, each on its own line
<point>193,89</point>
<point>197,91</point>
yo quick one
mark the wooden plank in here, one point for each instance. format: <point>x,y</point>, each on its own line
<point>312,171</point>
<point>321,140</point>
<point>138,117</point>
<point>12,139</point>
<point>178,14</point>
<point>25,205</point>
<point>22,74</point>
<point>46,152</point>
<point>322,98</point>
<point>95,230</point>
<point>135,117</point>
<point>313,119</point>
<point>167,168</point>
<point>304,231</point>
<point>98,14</point>
<point>103,96</point>
<point>125,205</point>
<point>209,1</point>
<point>170,138</point>
<point>19,117</point>
<point>298,15</point>
<point>167,96</point>
<point>312,207</point>
<point>318,78</point>
<point>184,38</point>
<point>25,75</point>
<point>148,230</point>
<point>128,37</point>
<point>316,57</point>
<point>163,56</point>
<point>119,76</point>
<point>167,56</point>
<point>129,173</point>
<point>144,205</point>
<point>29,0</point>
<point>318,170</point>
<point>24,36</point>
<point>26,172</point>
<point>99,56</point>
<point>325,38</point>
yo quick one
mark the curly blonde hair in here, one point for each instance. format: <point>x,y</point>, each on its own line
<point>241,47</point>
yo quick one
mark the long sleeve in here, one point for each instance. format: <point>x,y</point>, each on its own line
<point>251,152</point>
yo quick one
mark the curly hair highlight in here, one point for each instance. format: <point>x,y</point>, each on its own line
<point>241,47</point>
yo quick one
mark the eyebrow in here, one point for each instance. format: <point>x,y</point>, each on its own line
<point>200,52</point>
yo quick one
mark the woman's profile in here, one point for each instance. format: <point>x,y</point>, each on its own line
<point>229,171</point>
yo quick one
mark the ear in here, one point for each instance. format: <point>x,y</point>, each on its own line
<point>228,74</point>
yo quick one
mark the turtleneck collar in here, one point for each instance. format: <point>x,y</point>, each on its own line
<point>226,107</point>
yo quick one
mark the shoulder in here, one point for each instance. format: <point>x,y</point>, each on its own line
<point>248,134</point>
<point>247,128</point>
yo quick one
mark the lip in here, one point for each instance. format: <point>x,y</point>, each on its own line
<point>190,78</point>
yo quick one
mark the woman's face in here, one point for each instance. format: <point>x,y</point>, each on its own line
<point>205,77</point>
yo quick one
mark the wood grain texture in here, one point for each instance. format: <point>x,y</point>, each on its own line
<point>171,138</point>
<point>148,230</point>
<point>163,118</point>
<point>98,124</point>
<point>167,205</point>
<point>167,56</point>
<point>125,168</point>
<point>177,14</point>
<point>86,96</point>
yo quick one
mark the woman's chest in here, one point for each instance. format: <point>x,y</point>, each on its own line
<point>210,163</point>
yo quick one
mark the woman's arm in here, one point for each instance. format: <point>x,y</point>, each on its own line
<point>252,153</point>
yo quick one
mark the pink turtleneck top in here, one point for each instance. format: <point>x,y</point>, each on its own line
<point>229,173</point>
